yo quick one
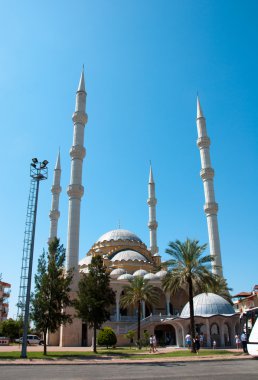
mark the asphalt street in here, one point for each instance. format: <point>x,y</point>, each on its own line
<point>229,370</point>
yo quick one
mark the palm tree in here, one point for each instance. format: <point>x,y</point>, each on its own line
<point>220,287</point>
<point>139,290</point>
<point>188,268</point>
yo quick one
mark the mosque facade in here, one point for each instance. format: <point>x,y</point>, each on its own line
<point>125,256</point>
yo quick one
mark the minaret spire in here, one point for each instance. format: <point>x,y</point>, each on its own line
<point>75,189</point>
<point>207,174</point>
<point>56,190</point>
<point>153,225</point>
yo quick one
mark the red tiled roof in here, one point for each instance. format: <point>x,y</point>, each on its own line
<point>242,294</point>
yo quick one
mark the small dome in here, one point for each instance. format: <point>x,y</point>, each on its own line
<point>207,304</point>
<point>150,276</point>
<point>161,273</point>
<point>128,255</point>
<point>119,235</point>
<point>85,261</point>
<point>126,276</point>
<point>117,272</point>
<point>140,272</point>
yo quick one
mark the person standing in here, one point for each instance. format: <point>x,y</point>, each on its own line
<point>154,340</point>
<point>244,342</point>
<point>197,344</point>
<point>201,340</point>
<point>238,341</point>
<point>188,340</point>
<point>151,344</point>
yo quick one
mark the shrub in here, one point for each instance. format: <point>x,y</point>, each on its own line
<point>106,337</point>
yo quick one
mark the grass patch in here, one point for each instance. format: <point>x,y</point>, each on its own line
<point>122,353</point>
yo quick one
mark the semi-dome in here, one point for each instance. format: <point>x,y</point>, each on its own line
<point>126,276</point>
<point>208,304</point>
<point>128,255</point>
<point>119,235</point>
<point>117,272</point>
<point>85,261</point>
<point>140,272</point>
<point>150,276</point>
<point>161,273</point>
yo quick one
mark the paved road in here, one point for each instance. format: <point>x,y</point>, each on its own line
<point>229,370</point>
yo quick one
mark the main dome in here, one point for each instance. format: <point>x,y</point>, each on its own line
<point>208,304</point>
<point>119,235</point>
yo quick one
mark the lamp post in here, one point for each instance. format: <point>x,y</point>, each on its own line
<point>38,172</point>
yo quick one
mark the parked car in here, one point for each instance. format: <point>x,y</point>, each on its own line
<point>31,339</point>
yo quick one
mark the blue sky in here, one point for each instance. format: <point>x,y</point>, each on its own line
<point>144,63</point>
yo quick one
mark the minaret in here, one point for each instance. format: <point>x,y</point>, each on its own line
<point>207,174</point>
<point>152,201</point>
<point>75,189</point>
<point>56,190</point>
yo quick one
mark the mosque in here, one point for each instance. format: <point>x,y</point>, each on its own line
<point>125,256</point>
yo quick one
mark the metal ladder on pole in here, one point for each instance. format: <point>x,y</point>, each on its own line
<point>26,248</point>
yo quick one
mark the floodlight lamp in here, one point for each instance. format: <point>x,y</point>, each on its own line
<point>34,165</point>
<point>35,160</point>
<point>45,162</point>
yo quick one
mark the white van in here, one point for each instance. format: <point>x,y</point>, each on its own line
<point>252,345</point>
<point>31,339</point>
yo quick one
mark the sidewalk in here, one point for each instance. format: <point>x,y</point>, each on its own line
<point>110,359</point>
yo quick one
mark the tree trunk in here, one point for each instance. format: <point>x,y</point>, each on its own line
<point>139,322</point>
<point>45,342</point>
<point>192,327</point>
<point>94,337</point>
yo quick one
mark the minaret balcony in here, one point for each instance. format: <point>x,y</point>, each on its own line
<point>203,142</point>
<point>77,152</point>
<point>56,189</point>
<point>211,208</point>
<point>153,225</point>
<point>152,202</point>
<point>207,173</point>
<point>54,214</point>
<point>80,117</point>
<point>75,191</point>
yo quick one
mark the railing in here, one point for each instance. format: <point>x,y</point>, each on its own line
<point>123,328</point>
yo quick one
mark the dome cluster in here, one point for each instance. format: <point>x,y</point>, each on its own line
<point>120,274</point>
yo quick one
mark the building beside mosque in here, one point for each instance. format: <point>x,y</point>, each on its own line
<point>125,255</point>
<point>4,296</point>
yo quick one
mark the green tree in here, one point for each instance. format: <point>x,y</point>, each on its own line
<point>139,290</point>
<point>130,336</point>
<point>95,296</point>
<point>220,287</point>
<point>11,328</point>
<point>52,287</point>
<point>188,269</point>
<point>106,337</point>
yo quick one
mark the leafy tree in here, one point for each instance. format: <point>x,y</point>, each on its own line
<point>52,287</point>
<point>106,337</point>
<point>188,268</point>
<point>139,290</point>
<point>95,296</point>
<point>220,287</point>
<point>130,336</point>
<point>11,328</point>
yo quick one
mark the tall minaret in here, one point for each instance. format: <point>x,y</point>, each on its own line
<point>207,174</point>
<point>75,189</point>
<point>152,201</point>
<point>56,190</point>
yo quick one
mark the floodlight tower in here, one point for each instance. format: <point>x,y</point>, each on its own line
<point>38,172</point>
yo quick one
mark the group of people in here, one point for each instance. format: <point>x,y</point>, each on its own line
<point>153,344</point>
<point>242,340</point>
<point>198,341</point>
